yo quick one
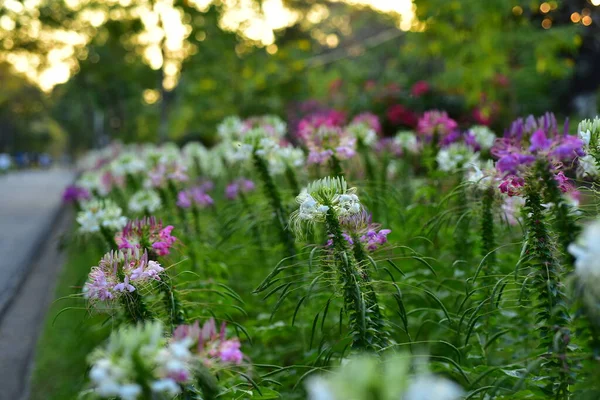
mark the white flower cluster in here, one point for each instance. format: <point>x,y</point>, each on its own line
<point>586,251</point>
<point>321,195</point>
<point>481,174</point>
<point>363,133</point>
<point>366,377</point>
<point>484,136</point>
<point>455,157</point>
<point>136,358</point>
<point>128,163</point>
<point>407,141</point>
<point>230,128</point>
<point>100,213</point>
<point>589,132</point>
<point>144,201</point>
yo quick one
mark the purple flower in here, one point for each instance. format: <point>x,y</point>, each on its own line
<point>75,193</point>
<point>243,185</point>
<point>436,122</point>
<point>539,141</point>
<point>194,196</point>
<point>567,148</point>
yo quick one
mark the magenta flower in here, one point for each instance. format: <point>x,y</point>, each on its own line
<point>400,115</point>
<point>75,194</point>
<point>375,237</point>
<point>326,119</point>
<point>419,88</point>
<point>511,185</point>
<point>146,234</point>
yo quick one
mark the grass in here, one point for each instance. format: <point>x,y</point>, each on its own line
<point>69,334</point>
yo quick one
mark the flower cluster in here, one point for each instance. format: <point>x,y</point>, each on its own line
<point>530,139</point>
<point>367,377</point>
<point>138,363</point>
<point>365,128</point>
<point>100,214</point>
<point>210,345</point>
<point>146,234</point>
<point>322,195</point>
<point>325,142</point>
<point>436,124</point>
<point>455,156</point>
<point>116,273</point>
<point>144,201</point>
<point>589,133</point>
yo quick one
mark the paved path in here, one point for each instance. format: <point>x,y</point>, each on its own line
<point>29,202</point>
<point>24,317</point>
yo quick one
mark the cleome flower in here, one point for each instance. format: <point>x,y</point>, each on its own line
<point>360,225</point>
<point>138,362</point>
<point>586,250</point>
<point>144,201</point>
<point>240,185</point>
<point>75,194</point>
<point>100,214</point>
<point>321,196</point>
<point>117,273</point>
<point>195,196</point>
<point>211,346</point>
<point>146,234</point>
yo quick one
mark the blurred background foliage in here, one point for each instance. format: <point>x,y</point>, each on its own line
<point>78,73</point>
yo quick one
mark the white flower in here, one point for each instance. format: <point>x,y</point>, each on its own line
<point>319,388</point>
<point>430,387</point>
<point>130,391</point>
<point>587,167</point>
<point>454,157</point>
<point>144,201</point>
<point>363,132</point>
<point>97,213</point>
<point>168,386</point>
<point>484,136</point>
<point>407,140</point>
<point>585,136</point>
<point>127,164</point>
<point>586,251</point>
<point>346,204</point>
<point>480,174</point>
<point>230,128</point>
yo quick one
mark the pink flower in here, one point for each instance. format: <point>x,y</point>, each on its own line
<point>210,345</point>
<point>148,231</point>
<point>436,122</point>
<point>369,119</point>
<point>194,196</point>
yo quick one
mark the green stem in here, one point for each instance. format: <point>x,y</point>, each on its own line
<point>336,167</point>
<point>361,322</point>
<point>290,174</point>
<point>552,315</point>
<point>272,194</point>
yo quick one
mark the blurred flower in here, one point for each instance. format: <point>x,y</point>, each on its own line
<point>586,250</point>
<point>144,201</point>
<point>512,185</point>
<point>482,136</point>
<point>196,196</point>
<point>419,88</point>
<point>428,387</point>
<point>230,128</point>
<point>127,163</point>
<point>210,345</point>
<point>97,214</point>
<point>400,115</point>
<point>242,185</point>
<point>455,157</point>
<point>138,357</point>
<point>436,122</point>
<point>75,194</point>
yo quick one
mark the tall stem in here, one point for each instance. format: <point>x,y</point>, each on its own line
<point>361,323</point>
<point>272,194</point>
<point>552,313</point>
